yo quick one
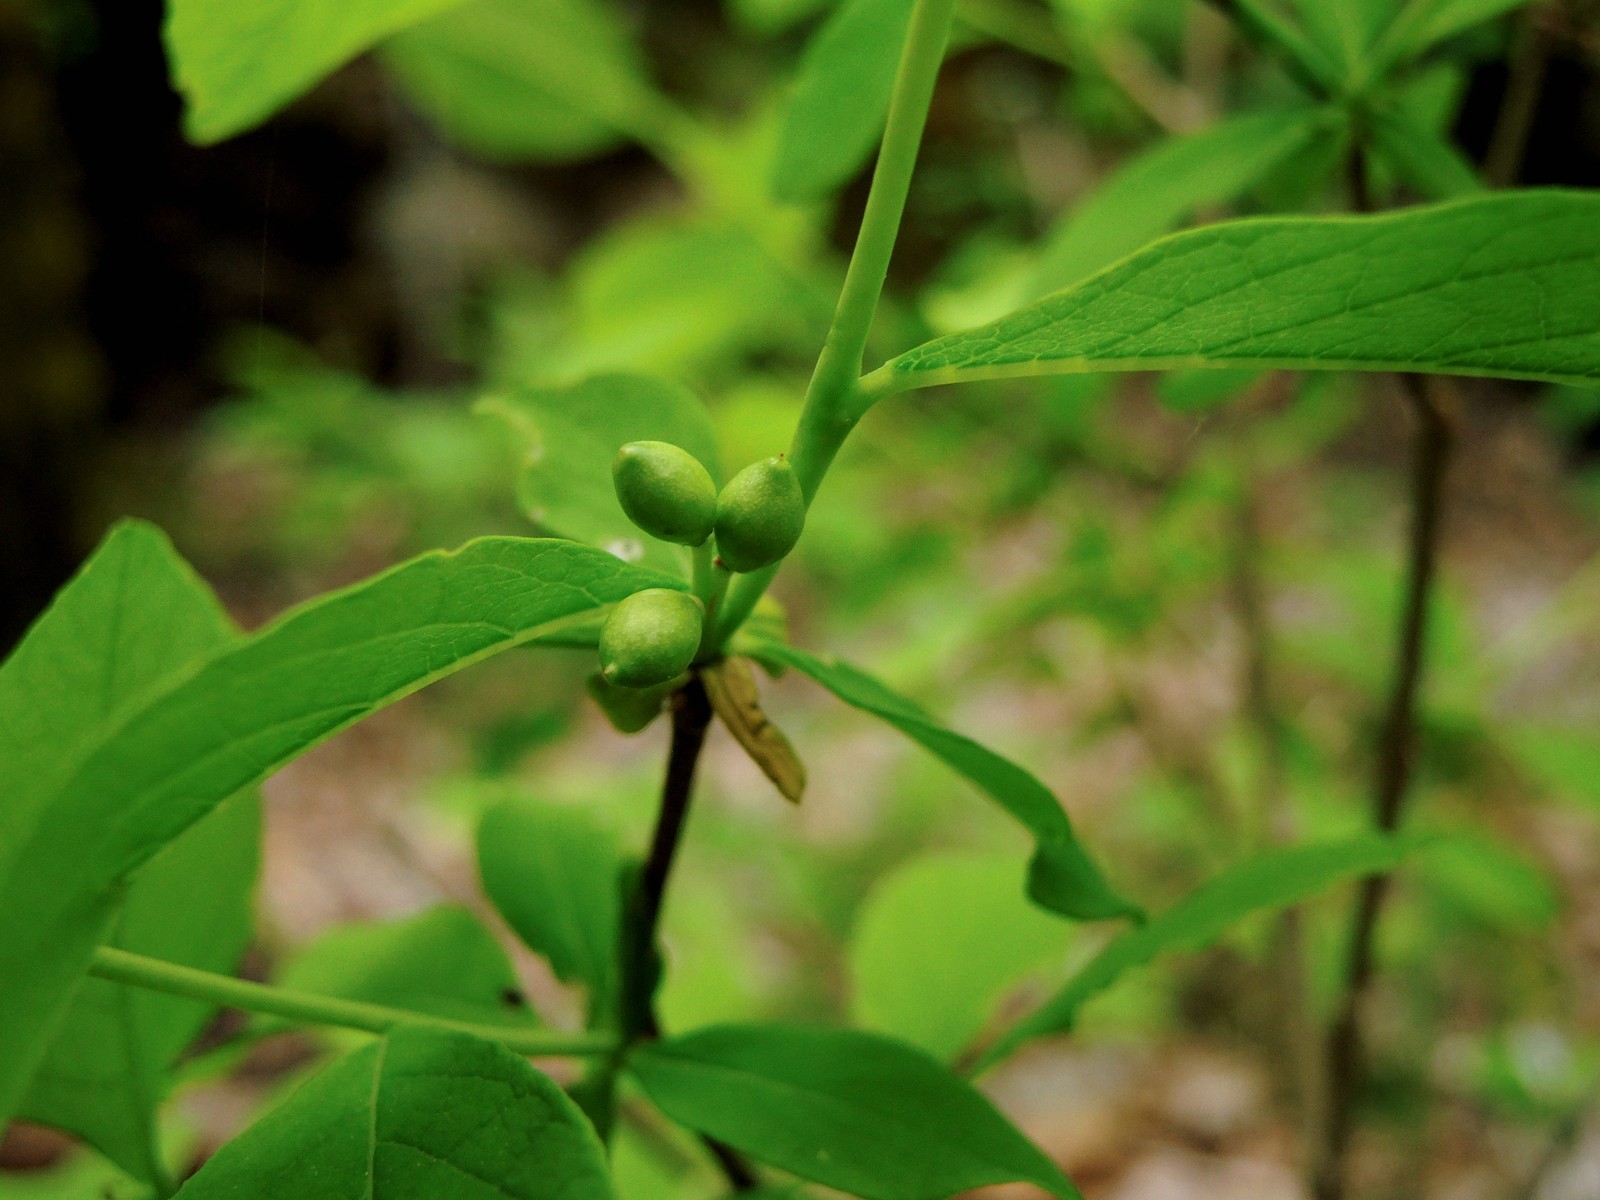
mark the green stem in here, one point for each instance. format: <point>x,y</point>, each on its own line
<point>303,1008</point>
<point>833,402</point>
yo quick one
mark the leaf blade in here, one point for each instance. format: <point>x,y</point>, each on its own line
<point>855,1111</point>
<point>1469,288</point>
<point>840,100</point>
<point>237,64</point>
<point>1062,877</point>
<point>1274,879</point>
<point>245,712</point>
<point>414,1116</point>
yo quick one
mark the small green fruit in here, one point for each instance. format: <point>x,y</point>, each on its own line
<point>665,491</point>
<point>650,637</point>
<point>628,709</point>
<point>760,515</point>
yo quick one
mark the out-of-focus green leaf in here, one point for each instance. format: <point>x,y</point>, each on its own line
<point>1062,877</point>
<point>854,1111</point>
<point>238,63</point>
<point>539,79</point>
<point>1177,177</point>
<point>107,1071</point>
<point>133,619</point>
<point>417,1115</point>
<point>1504,285</point>
<point>841,98</point>
<point>666,295</point>
<point>1422,158</point>
<point>442,961</point>
<point>937,945</point>
<point>1562,759</point>
<point>92,811</point>
<point>1423,23</point>
<point>574,433</point>
<point>1274,879</point>
<point>554,874</point>
<point>1491,882</point>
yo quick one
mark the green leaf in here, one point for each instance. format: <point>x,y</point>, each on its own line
<point>840,101</point>
<point>1061,877</point>
<point>237,64</point>
<point>1504,285</point>
<point>133,618</point>
<point>1492,882</point>
<point>527,79</point>
<point>418,1115</point>
<point>554,875</point>
<point>1274,879</point>
<point>950,926</point>
<point>1422,158</point>
<point>101,810</point>
<point>1168,183</point>
<point>1425,23</point>
<point>854,1111</point>
<point>442,961</point>
<point>108,1069</point>
<point>573,433</point>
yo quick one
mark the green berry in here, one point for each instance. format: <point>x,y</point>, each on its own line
<point>665,491</point>
<point>628,709</point>
<point>760,515</point>
<point>650,637</point>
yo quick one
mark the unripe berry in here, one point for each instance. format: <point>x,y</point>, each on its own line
<point>628,709</point>
<point>665,491</point>
<point>760,515</point>
<point>650,637</point>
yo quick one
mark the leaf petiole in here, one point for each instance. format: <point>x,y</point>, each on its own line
<point>305,1008</point>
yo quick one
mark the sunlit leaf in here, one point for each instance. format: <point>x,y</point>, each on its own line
<point>238,63</point>
<point>540,79</point>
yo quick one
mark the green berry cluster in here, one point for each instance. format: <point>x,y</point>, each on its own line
<point>653,636</point>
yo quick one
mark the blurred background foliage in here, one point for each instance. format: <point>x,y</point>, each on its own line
<point>1172,597</point>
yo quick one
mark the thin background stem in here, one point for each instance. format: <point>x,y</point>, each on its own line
<point>1396,758</point>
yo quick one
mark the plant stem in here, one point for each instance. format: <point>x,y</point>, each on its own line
<point>304,1008</point>
<point>1396,755</point>
<point>639,950</point>
<point>833,401</point>
<point>640,966</point>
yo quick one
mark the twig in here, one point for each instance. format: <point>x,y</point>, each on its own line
<point>1396,755</point>
<point>1502,164</point>
<point>639,949</point>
